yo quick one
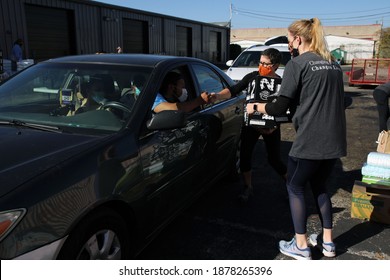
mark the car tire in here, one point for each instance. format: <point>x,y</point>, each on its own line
<point>102,235</point>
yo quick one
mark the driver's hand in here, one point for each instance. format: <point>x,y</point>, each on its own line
<point>205,97</point>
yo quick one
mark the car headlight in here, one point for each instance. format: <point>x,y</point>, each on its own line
<point>8,220</point>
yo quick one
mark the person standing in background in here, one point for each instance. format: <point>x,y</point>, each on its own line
<point>16,54</point>
<point>269,62</point>
<point>312,80</point>
<point>381,95</point>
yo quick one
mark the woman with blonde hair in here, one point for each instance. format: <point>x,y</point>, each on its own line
<point>312,85</point>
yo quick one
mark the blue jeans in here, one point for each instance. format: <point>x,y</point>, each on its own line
<point>301,172</point>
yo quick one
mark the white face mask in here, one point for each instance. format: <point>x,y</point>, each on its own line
<point>184,95</point>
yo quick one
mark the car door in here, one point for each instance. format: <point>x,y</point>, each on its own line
<point>173,160</point>
<point>224,118</point>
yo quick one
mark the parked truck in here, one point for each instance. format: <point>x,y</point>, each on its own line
<point>373,71</point>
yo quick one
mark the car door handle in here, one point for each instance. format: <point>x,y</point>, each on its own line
<point>237,110</point>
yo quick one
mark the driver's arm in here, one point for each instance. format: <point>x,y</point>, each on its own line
<point>187,106</point>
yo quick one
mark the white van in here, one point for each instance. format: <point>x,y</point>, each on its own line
<point>248,61</point>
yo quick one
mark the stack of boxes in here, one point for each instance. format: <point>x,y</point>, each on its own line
<point>371,196</point>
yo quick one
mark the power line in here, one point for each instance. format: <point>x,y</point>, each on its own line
<point>365,17</point>
<point>332,13</point>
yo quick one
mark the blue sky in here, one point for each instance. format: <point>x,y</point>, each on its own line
<point>263,14</point>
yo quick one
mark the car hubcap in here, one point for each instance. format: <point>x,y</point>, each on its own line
<point>103,245</point>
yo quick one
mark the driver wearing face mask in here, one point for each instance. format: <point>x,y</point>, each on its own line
<point>183,96</point>
<point>173,95</point>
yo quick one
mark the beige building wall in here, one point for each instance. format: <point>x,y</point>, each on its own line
<point>369,32</point>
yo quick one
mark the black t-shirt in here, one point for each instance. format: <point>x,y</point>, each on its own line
<point>247,81</point>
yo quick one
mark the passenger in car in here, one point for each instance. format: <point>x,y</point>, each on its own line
<point>269,62</point>
<point>170,95</point>
<point>100,89</point>
<point>130,94</point>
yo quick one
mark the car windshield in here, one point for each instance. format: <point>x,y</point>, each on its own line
<point>70,97</point>
<point>252,58</point>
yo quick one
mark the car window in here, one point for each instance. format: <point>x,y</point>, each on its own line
<point>189,85</point>
<point>251,59</point>
<point>208,80</point>
<point>248,59</point>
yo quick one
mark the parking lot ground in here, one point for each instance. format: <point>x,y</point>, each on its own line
<point>219,227</point>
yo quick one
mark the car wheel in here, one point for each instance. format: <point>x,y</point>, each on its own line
<point>102,236</point>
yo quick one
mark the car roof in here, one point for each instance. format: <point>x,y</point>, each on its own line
<point>122,59</point>
<point>279,47</point>
<point>276,40</point>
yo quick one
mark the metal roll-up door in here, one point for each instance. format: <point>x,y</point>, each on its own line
<point>135,36</point>
<point>50,32</point>
<point>183,41</point>
<point>215,46</point>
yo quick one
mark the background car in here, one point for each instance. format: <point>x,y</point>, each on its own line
<point>248,60</point>
<point>99,182</point>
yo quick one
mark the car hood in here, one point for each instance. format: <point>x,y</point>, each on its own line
<point>25,153</point>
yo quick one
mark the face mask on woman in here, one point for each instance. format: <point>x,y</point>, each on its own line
<point>265,70</point>
<point>293,51</point>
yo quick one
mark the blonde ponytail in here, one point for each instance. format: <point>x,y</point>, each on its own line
<point>311,30</point>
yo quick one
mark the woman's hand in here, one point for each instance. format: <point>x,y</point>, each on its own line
<point>251,108</point>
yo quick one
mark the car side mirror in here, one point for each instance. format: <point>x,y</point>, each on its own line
<point>229,63</point>
<point>168,119</point>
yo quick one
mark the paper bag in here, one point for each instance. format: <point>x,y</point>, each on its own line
<point>383,142</point>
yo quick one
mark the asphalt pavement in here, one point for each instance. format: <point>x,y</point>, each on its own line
<point>219,227</point>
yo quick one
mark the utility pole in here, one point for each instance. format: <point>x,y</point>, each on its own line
<point>231,15</point>
<point>378,53</point>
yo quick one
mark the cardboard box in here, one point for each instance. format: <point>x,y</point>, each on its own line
<point>371,202</point>
<point>261,120</point>
<point>264,90</point>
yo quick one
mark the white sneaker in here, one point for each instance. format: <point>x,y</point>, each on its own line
<point>328,249</point>
<point>290,248</point>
